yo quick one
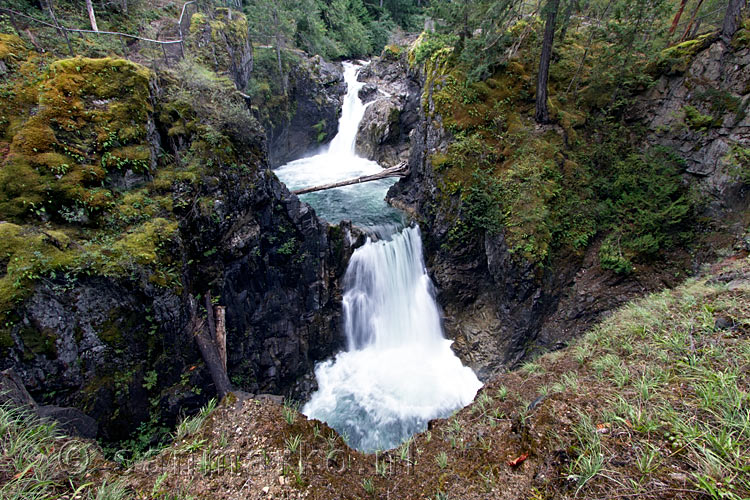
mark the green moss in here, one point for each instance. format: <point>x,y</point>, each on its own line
<point>697,121</point>
<point>59,157</point>
<point>741,38</point>
<point>677,59</point>
<point>112,331</point>
<point>6,340</point>
<point>392,52</point>
<point>221,30</point>
<point>12,49</point>
<point>38,343</point>
<point>30,253</point>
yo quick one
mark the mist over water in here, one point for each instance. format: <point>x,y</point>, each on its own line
<point>398,371</point>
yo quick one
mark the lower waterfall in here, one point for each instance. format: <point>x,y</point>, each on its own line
<point>399,371</point>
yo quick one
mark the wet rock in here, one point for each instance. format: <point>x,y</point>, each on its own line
<point>723,323</point>
<point>13,391</point>
<point>392,113</point>
<point>317,89</point>
<point>71,420</point>
<point>368,92</point>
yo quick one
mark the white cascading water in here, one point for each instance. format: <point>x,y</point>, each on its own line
<point>364,203</point>
<point>398,371</point>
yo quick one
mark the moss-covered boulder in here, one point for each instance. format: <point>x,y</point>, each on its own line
<point>92,127</point>
<point>220,40</point>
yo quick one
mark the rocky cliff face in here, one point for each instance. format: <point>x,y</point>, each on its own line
<point>315,96</point>
<point>499,307</point>
<point>392,112</point>
<point>95,304</point>
<point>699,108</point>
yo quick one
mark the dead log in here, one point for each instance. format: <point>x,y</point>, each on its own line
<point>221,334</point>
<point>399,170</point>
<point>204,333</point>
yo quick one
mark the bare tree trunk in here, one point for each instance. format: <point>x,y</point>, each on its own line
<point>692,20</point>
<point>33,41</point>
<point>204,333</point>
<point>731,20</point>
<point>220,314</point>
<point>62,32</point>
<point>542,111</point>
<point>278,50</point>
<point>125,6</point>
<point>677,16</point>
<point>92,16</point>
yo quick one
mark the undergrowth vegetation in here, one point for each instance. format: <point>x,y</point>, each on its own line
<point>38,462</point>
<point>672,374</point>
<point>587,177</point>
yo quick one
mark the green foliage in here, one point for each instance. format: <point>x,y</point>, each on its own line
<point>499,175</point>
<point>430,43</point>
<point>191,425</point>
<point>697,121</point>
<point>740,159</point>
<point>642,200</point>
<point>330,28</point>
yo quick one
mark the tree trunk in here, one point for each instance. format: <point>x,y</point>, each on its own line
<point>62,32</point>
<point>92,16</point>
<point>542,111</point>
<point>124,6</point>
<point>572,5</point>
<point>692,20</point>
<point>278,50</point>
<point>677,16</point>
<point>220,315</point>
<point>204,333</point>
<point>731,20</point>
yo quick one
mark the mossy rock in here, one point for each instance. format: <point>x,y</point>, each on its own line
<point>12,49</point>
<point>93,115</point>
<point>677,59</point>
<point>222,31</point>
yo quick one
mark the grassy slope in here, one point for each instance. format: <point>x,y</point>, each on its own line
<point>652,403</point>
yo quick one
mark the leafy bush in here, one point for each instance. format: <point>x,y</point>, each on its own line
<point>429,43</point>
<point>642,200</point>
<point>696,120</point>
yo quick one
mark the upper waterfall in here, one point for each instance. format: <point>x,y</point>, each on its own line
<point>362,204</point>
<point>352,112</point>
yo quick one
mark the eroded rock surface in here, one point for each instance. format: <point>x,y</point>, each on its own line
<point>392,113</point>
<point>316,92</point>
